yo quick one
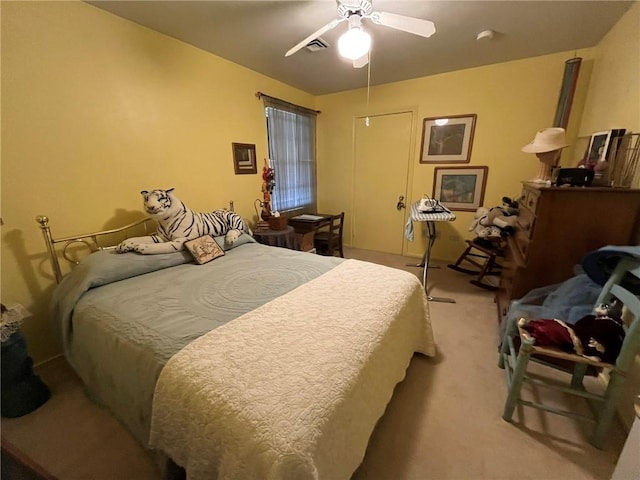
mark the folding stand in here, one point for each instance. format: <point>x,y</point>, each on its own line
<point>430,219</point>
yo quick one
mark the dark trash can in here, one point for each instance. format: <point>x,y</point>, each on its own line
<point>22,390</point>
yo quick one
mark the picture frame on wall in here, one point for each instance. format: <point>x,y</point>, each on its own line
<point>244,158</point>
<point>447,139</point>
<point>460,188</point>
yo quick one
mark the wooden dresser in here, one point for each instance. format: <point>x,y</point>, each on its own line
<point>556,227</point>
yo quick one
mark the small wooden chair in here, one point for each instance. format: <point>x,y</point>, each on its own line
<point>329,241</point>
<point>489,250</point>
<point>515,360</point>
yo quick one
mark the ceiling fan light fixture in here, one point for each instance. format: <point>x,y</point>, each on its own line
<point>354,43</point>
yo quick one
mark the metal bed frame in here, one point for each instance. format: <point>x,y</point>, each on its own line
<point>144,226</point>
<point>91,240</point>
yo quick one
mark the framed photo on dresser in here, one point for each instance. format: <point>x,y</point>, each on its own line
<point>601,143</point>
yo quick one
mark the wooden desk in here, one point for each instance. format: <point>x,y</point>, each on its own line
<point>310,222</point>
<point>306,225</point>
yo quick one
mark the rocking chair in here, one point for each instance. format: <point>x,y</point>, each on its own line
<point>485,261</point>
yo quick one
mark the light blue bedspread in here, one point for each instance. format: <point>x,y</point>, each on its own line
<point>122,316</point>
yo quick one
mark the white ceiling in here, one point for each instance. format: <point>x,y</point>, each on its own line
<point>257,34</point>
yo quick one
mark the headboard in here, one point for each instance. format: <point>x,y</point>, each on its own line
<point>94,241</point>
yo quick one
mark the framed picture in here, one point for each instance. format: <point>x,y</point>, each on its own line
<point>600,145</point>
<point>460,188</point>
<point>447,139</point>
<point>244,158</point>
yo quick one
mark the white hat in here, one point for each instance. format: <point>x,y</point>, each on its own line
<point>547,140</point>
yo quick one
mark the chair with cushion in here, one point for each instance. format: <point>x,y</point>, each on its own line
<point>328,241</point>
<point>519,350</point>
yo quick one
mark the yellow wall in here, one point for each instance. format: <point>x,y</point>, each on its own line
<point>96,108</point>
<point>614,90</point>
<point>512,101</point>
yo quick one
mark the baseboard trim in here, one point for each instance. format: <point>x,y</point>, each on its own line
<point>44,362</point>
<point>16,464</point>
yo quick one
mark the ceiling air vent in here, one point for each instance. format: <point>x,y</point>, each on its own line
<point>317,44</point>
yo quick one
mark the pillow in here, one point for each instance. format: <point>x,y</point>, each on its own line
<point>204,249</point>
<point>242,239</point>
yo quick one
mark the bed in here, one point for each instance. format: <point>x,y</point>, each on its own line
<point>264,363</point>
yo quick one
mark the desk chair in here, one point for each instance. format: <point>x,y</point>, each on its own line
<point>329,241</point>
<point>515,361</point>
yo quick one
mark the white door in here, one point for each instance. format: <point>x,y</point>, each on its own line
<point>382,155</point>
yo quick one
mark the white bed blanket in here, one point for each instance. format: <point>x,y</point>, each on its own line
<point>294,388</point>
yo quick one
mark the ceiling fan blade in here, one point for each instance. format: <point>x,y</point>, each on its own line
<point>314,35</point>
<point>417,26</point>
<point>362,61</point>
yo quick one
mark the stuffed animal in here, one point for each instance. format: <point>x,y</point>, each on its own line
<point>177,224</point>
<point>497,222</point>
<point>483,231</point>
<point>510,207</point>
<point>602,334</point>
<point>598,337</point>
<point>497,217</point>
<point>551,332</point>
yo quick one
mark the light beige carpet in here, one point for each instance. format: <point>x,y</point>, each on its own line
<point>443,422</point>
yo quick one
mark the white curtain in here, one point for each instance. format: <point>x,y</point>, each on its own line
<point>291,133</point>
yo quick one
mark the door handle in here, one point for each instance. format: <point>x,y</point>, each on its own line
<point>400,205</point>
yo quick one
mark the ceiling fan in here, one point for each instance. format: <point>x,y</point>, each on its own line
<point>355,43</point>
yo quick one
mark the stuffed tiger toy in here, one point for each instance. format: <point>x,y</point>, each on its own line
<point>177,224</point>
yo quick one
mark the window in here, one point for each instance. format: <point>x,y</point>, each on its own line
<point>291,133</point>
